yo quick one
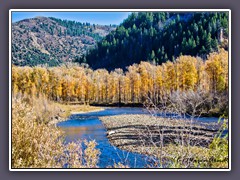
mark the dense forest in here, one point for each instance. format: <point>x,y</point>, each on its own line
<point>139,83</point>
<point>74,28</point>
<point>160,36</point>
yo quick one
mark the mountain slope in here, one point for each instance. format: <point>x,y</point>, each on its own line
<point>43,40</point>
<point>160,36</point>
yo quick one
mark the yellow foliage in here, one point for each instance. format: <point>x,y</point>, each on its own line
<point>217,70</point>
<point>140,81</point>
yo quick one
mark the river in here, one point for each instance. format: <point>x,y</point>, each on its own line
<point>88,126</point>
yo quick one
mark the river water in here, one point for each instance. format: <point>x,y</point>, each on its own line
<point>88,126</point>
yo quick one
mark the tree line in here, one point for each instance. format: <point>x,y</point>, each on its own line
<point>74,83</point>
<point>74,28</point>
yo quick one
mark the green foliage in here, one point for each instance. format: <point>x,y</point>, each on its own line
<point>74,28</point>
<point>215,156</point>
<point>143,33</point>
<point>219,147</point>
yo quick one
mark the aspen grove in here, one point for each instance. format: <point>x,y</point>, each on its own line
<point>74,83</point>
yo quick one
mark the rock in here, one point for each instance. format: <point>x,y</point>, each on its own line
<point>111,132</point>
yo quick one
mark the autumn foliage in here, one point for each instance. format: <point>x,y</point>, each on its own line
<point>81,84</point>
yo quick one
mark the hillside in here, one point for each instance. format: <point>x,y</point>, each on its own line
<point>160,36</point>
<point>52,41</point>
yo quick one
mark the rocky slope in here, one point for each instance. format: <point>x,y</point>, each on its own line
<point>43,40</point>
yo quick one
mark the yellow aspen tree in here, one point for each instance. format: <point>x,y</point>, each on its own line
<point>81,78</point>
<point>134,83</point>
<point>144,81</point>
<point>126,89</point>
<point>78,90</point>
<point>57,84</point>
<point>224,75</point>
<point>217,70</point>
<point>119,75</point>
<point>96,89</point>
<point>24,81</point>
<point>111,88</point>
<point>84,86</point>
<point>103,85</point>
<point>106,86</point>
<point>200,84</point>
<point>152,91</point>
<point>42,80</point>
<point>159,81</point>
<point>87,85</point>
<point>169,76</point>
<point>188,72</point>
<point>113,83</point>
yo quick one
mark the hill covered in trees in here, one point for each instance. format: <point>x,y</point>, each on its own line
<point>160,36</point>
<point>51,41</point>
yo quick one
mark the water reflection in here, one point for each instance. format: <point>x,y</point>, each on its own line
<point>88,126</point>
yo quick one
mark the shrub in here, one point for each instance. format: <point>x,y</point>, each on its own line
<point>36,144</point>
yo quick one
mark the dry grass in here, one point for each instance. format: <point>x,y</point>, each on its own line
<point>68,109</point>
<point>50,112</point>
<point>36,144</point>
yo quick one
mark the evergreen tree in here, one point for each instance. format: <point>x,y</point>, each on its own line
<point>144,33</point>
<point>208,43</point>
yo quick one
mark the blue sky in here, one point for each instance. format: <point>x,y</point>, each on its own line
<point>102,18</point>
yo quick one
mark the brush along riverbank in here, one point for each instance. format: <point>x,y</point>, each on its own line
<point>66,110</point>
<point>162,137</point>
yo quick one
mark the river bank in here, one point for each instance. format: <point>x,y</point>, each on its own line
<point>66,110</point>
<point>145,133</point>
<point>215,112</point>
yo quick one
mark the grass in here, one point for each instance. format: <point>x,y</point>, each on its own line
<point>67,109</point>
<point>216,156</point>
<point>37,144</point>
<point>50,112</point>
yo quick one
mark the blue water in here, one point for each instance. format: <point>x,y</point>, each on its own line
<point>88,126</point>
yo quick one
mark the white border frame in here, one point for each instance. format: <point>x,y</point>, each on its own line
<point>115,10</point>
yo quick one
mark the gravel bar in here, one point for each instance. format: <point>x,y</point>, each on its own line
<point>145,133</point>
